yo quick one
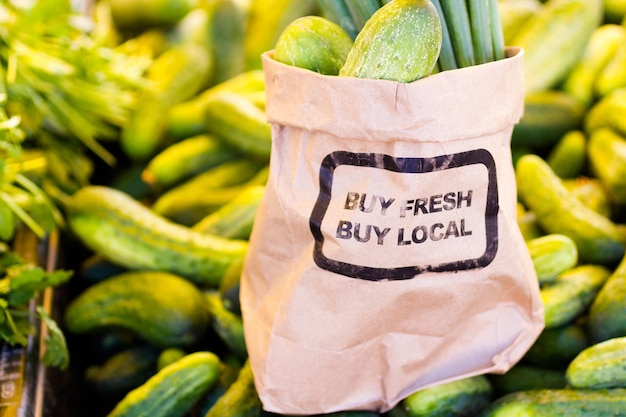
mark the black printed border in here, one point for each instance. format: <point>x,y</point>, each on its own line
<point>409,166</point>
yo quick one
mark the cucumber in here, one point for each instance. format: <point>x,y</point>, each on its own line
<point>141,14</point>
<point>400,42</point>
<point>558,346</point>
<point>227,325</point>
<point>608,112</point>
<point>561,28</point>
<point>523,377</point>
<point>266,20</point>
<point>463,397</point>
<point>548,116</point>
<point>234,219</point>
<point>607,314</point>
<point>584,82</point>
<point>239,123</point>
<point>186,119</point>
<point>240,399</point>
<point>607,160</point>
<point>559,402</point>
<point>598,239</point>
<point>613,75</point>
<point>568,156</point>
<point>174,390</point>
<point>129,234</point>
<point>178,74</point>
<point>123,371</point>
<point>572,293</point>
<point>169,356</point>
<point>591,192</point>
<point>514,14</point>
<point>552,255</point>
<point>159,307</point>
<point>227,29</point>
<point>527,223</point>
<point>185,159</point>
<point>193,200</point>
<point>314,43</point>
<point>599,366</point>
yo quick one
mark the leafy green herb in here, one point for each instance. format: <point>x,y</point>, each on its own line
<point>20,282</point>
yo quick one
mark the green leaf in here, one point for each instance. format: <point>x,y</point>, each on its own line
<point>26,281</point>
<point>56,352</point>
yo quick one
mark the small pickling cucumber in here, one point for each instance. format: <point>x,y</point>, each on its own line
<point>400,42</point>
<point>607,314</point>
<point>314,43</point>
<point>127,233</point>
<point>552,255</point>
<point>161,308</point>
<point>599,366</point>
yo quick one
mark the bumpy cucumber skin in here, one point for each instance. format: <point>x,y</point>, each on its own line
<point>462,397</point>
<point>572,293</point>
<point>600,366</point>
<point>568,156</point>
<point>227,325</point>
<point>607,314</point>
<point>129,234</point>
<point>400,42</point>
<point>161,308</point>
<point>174,390</point>
<point>598,239</point>
<point>551,255</point>
<point>314,43</point>
<point>559,402</point>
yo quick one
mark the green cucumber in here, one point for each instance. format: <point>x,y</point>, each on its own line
<point>584,79</point>
<point>234,219</point>
<point>548,116</point>
<point>186,119</point>
<point>559,402</point>
<point>599,366</point>
<point>161,308</point>
<point>557,346</point>
<point>568,156</point>
<point>227,325</point>
<point>174,390</point>
<point>560,28</point>
<point>591,192</point>
<point>185,159</point>
<point>124,370</point>
<point>523,377</point>
<point>142,14</point>
<point>572,293</point>
<point>400,42</point>
<point>552,255</point>
<point>240,399</point>
<point>608,112</point>
<point>607,314</point>
<point>314,43</point>
<point>239,123</point>
<point>598,239</point>
<point>607,160</point>
<point>129,234</point>
<point>190,202</point>
<point>463,397</point>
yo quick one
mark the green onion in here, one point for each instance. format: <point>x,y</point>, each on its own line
<point>447,61</point>
<point>362,10</point>
<point>481,30</point>
<point>457,20</point>
<point>497,35</point>
<point>337,11</point>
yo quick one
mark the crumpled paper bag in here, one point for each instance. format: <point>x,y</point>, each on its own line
<point>385,255</point>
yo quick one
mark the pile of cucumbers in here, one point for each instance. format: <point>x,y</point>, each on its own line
<point>153,320</point>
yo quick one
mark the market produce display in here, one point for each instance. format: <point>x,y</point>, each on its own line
<point>146,145</point>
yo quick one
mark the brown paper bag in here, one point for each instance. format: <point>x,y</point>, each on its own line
<point>385,255</point>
